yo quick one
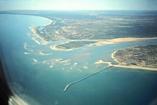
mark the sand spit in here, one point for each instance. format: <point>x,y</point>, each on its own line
<point>119,40</point>
<point>136,67</point>
<point>59,49</point>
<point>37,37</point>
<point>103,62</point>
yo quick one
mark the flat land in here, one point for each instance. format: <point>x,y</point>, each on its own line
<point>107,27</point>
<point>100,28</point>
<point>119,40</point>
<point>95,25</point>
<point>71,45</point>
<point>137,57</point>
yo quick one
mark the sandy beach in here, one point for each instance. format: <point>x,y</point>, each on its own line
<point>103,62</point>
<point>39,40</point>
<point>36,37</point>
<point>135,67</point>
<point>119,40</point>
<point>131,67</point>
<point>48,23</point>
<point>112,56</point>
<point>59,49</point>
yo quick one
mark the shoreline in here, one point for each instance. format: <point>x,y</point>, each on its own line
<point>48,23</point>
<point>37,37</point>
<point>130,67</point>
<point>120,40</point>
<point>59,49</point>
<point>39,40</point>
<point>105,42</point>
<point>103,62</point>
<point>135,67</point>
<point>123,66</point>
<point>112,56</point>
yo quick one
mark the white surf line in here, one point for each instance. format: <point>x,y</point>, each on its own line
<point>68,85</point>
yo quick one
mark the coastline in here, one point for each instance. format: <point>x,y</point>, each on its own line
<point>48,23</point>
<point>130,67</point>
<point>59,49</point>
<point>120,40</point>
<point>37,37</point>
<point>135,67</point>
<point>112,56</point>
<point>103,62</point>
<point>105,42</point>
<point>39,40</point>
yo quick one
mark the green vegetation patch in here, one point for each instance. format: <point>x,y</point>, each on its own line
<point>145,56</point>
<point>74,44</point>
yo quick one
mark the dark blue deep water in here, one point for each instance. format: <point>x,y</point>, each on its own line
<point>39,78</point>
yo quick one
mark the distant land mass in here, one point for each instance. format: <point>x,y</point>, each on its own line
<point>93,25</point>
<point>141,56</point>
<point>100,25</point>
<point>99,28</point>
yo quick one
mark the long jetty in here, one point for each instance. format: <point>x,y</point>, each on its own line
<point>70,84</point>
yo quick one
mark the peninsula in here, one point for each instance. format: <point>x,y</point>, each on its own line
<point>104,26</point>
<point>139,57</point>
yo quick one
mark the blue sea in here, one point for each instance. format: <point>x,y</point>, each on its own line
<point>38,74</point>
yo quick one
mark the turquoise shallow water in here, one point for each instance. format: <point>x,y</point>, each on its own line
<point>43,77</point>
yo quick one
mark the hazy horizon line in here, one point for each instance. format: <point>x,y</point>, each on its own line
<point>79,10</point>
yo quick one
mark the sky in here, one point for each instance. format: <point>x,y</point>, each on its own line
<point>78,4</point>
